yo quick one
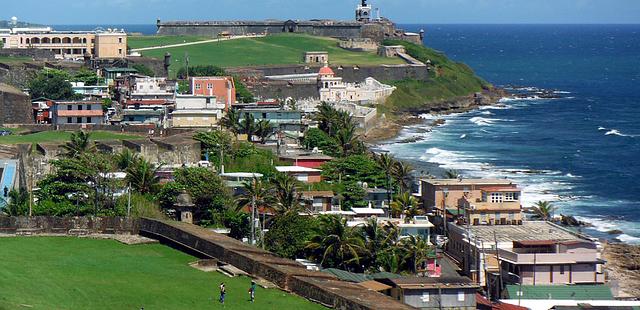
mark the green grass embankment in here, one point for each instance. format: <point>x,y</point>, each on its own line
<point>79,273</point>
<point>449,80</point>
<point>58,136</point>
<point>281,49</point>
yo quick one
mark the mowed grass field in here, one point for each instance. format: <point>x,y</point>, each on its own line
<point>14,59</point>
<point>79,273</point>
<point>151,41</point>
<point>58,136</point>
<point>271,50</point>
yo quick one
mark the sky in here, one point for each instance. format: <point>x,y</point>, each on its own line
<point>61,12</point>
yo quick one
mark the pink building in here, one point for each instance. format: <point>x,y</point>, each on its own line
<point>222,87</point>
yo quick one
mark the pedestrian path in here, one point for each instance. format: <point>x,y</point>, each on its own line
<point>196,43</point>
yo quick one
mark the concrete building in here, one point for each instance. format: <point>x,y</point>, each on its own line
<point>77,112</point>
<point>480,201</point>
<point>109,44</point>
<point>534,253</point>
<point>317,202</point>
<point>302,174</point>
<point>289,122</point>
<point>146,87</point>
<point>446,292</point>
<point>306,160</point>
<point>316,58</point>
<point>221,87</point>
<point>90,91</point>
<point>145,111</point>
<point>333,89</point>
<point>193,111</point>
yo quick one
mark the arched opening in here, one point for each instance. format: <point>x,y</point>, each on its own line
<point>56,40</point>
<point>84,40</point>
<point>28,41</point>
<point>66,40</point>
<point>45,40</point>
<point>35,41</point>
<point>77,40</point>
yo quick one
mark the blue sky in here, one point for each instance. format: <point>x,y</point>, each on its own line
<point>402,11</point>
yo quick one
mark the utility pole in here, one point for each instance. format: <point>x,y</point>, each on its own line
<point>253,215</point>
<point>129,201</point>
<point>495,239</point>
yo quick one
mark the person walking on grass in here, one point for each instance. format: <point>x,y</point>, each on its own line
<point>223,292</point>
<point>252,291</point>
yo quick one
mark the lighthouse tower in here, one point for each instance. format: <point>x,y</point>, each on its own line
<point>363,12</point>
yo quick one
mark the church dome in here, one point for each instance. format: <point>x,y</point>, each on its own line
<point>326,71</point>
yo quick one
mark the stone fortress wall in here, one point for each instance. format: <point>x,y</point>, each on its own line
<point>15,106</point>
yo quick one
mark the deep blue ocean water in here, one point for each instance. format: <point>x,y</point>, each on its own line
<point>581,152</point>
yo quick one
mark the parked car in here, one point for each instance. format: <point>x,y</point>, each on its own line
<point>4,133</point>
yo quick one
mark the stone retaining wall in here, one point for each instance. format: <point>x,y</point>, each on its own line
<point>67,225</point>
<point>287,274</point>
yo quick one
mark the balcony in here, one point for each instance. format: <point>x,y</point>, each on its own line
<point>493,206</point>
<point>547,258</point>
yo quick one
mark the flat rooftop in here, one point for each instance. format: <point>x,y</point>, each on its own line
<point>468,181</point>
<point>529,230</point>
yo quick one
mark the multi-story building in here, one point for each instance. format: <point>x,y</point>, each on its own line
<point>480,201</point>
<point>90,91</point>
<point>141,88</point>
<point>77,112</point>
<point>317,202</point>
<point>535,252</point>
<point>221,87</point>
<point>145,111</point>
<point>103,44</point>
<point>197,112</point>
<point>289,122</point>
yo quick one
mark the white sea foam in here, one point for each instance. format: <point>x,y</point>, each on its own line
<point>601,128</point>
<point>561,92</point>
<point>615,132</point>
<point>481,121</point>
<point>464,136</point>
<point>629,239</point>
<point>486,113</point>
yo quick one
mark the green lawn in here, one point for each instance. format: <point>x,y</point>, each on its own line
<point>57,136</point>
<point>14,59</point>
<point>72,273</point>
<point>151,41</point>
<point>270,50</point>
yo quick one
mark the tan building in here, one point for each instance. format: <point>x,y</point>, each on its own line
<point>316,57</point>
<point>68,44</point>
<point>480,201</point>
<point>197,112</point>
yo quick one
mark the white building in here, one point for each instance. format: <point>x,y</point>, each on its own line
<point>334,89</point>
<point>152,88</point>
<point>197,111</point>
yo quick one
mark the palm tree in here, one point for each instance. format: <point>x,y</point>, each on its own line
<point>326,118</point>
<point>248,126</point>
<point>142,177</point>
<point>544,210</point>
<point>402,172</point>
<point>17,203</point>
<point>416,252</point>
<point>79,143</point>
<point>231,121</point>
<point>348,141</point>
<point>451,174</point>
<point>125,159</point>
<point>405,204</point>
<point>286,194</point>
<point>337,244</point>
<point>256,192</point>
<point>387,163</point>
<point>264,130</point>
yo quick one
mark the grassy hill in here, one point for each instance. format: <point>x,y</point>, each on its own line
<point>79,273</point>
<point>278,49</point>
<point>151,41</point>
<point>58,136</point>
<point>449,80</point>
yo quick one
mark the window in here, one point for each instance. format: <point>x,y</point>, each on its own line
<point>209,86</point>
<point>496,197</point>
<point>69,120</point>
<point>88,107</point>
<point>69,107</point>
<point>88,119</point>
<point>460,295</point>
<point>78,120</point>
<point>79,108</point>
<point>120,40</point>
<point>561,269</point>
<point>511,196</point>
<point>198,86</point>
<point>425,297</point>
<point>119,51</point>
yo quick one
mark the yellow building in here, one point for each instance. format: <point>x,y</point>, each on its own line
<point>109,44</point>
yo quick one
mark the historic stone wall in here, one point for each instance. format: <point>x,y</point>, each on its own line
<point>68,225</point>
<point>287,274</point>
<point>15,106</point>
<point>39,54</point>
<point>214,28</point>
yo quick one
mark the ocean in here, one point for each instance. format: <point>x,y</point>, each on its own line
<point>580,151</point>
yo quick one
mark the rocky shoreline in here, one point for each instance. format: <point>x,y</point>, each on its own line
<point>389,128</point>
<point>623,268</point>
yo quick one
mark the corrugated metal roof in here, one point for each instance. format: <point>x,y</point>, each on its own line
<point>346,275</point>
<point>561,292</point>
